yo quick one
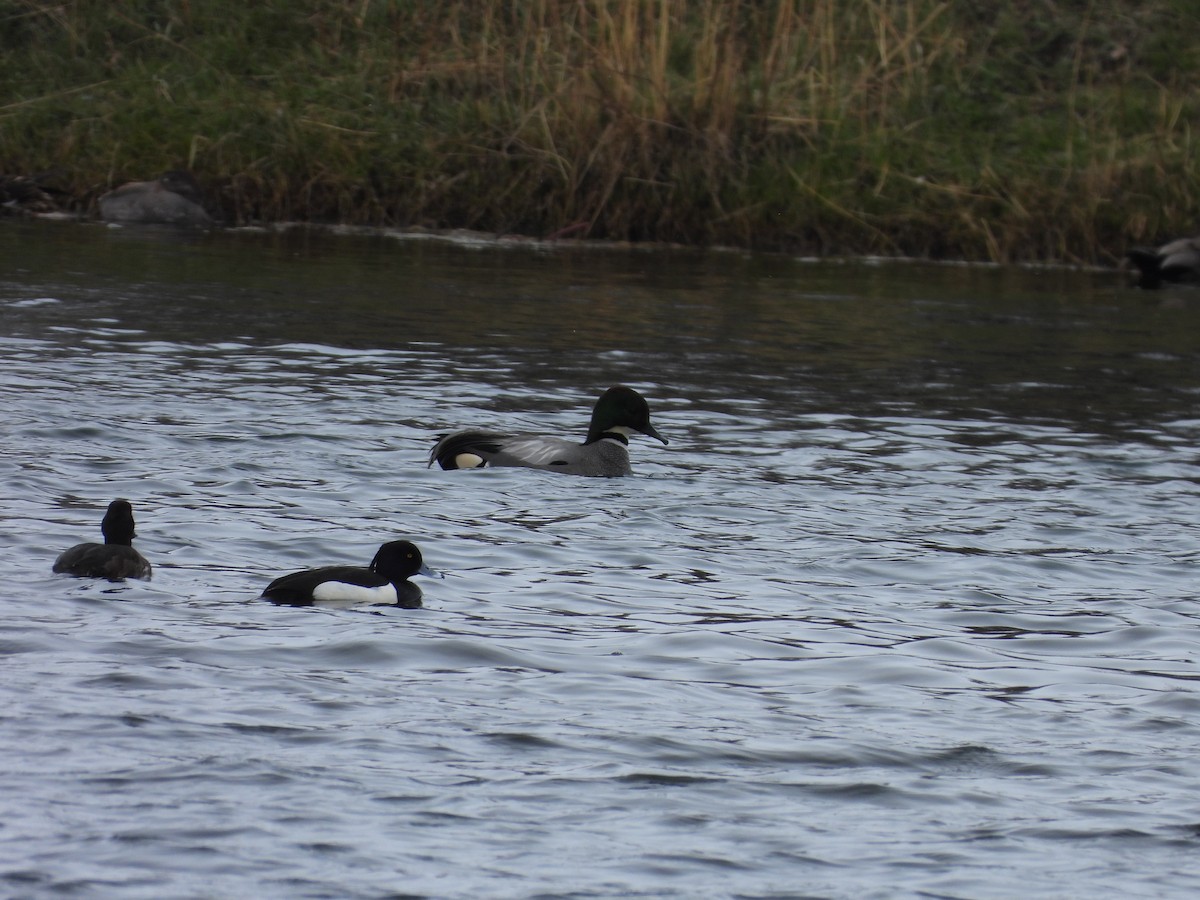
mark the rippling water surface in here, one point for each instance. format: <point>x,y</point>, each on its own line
<point>906,608</point>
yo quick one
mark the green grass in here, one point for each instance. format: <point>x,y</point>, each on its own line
<point>1036,130</point>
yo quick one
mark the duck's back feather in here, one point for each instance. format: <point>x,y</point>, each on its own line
<point>450,447</point>
<point>112,561</point>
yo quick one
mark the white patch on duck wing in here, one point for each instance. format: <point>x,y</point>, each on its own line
<point>354,593</point>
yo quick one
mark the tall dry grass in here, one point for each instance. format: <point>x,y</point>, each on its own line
<point>1043,129</point>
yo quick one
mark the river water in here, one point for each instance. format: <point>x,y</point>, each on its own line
<point>906,608</point>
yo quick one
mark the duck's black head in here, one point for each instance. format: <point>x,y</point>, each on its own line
<point>397,560</point>
<point>117,525</point>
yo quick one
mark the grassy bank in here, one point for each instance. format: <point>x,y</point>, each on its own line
<point>1033,130</point>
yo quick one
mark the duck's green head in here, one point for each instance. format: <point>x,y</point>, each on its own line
<point>621,408</point>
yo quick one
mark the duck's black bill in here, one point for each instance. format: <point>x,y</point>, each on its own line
<point>649,430</point>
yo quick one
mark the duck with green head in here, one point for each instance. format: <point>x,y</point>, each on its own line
<point>618,413</point>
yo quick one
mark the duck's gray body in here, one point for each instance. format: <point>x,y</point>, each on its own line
<point>608,457</point>
<point>618,413</point>
<point>1178,261</point>
<point>173,199</point>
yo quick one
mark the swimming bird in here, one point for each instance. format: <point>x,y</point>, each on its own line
<point>383,583</point>
<point>115,559</point>
<point>1177,261</point>
<point>618,413</point>
<point>172,199</point>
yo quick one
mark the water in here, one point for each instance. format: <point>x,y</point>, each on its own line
<point>906,608</point>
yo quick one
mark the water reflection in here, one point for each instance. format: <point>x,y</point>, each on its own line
<point>733,334</point>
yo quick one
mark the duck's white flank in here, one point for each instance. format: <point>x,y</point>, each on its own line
<point>339,590</point>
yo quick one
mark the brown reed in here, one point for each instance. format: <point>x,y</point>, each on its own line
<point>1038,130</point>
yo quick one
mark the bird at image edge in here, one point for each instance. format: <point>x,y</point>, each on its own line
<point>1173,263</point>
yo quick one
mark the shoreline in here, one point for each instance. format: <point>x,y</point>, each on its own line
<point>921,130</point>
<point>482,240</point>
